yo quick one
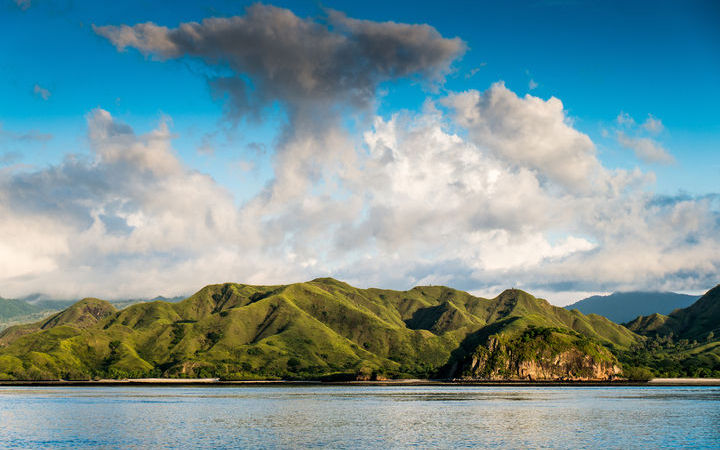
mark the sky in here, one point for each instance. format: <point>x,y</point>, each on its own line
<point>567,148</point>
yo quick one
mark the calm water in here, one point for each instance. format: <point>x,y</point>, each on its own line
<point>352,417</point>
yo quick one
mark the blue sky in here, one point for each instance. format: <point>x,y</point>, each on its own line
<point>613,65</point>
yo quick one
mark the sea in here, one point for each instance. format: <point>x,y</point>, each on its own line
<point>150,417</point>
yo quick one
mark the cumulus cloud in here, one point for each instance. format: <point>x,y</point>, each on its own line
<point>625,119</point>
<point>443,196</point>
<point>123,220</point>
<point>635,137</point>
<point>315,69</point>
<point>645,148</point>
<point>528,132</point>
<point>425,205</point>
<point>442,209</point>
<point>653,124</point>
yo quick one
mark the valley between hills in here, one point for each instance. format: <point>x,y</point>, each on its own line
<point>327,330</point>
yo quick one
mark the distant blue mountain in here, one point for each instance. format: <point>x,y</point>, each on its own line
<point>23,308</point>
<point>622,307</point>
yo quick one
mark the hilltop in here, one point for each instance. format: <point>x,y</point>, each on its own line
<point>321,329</point>
<point>685,342</point>
<point>621,307</point>
<point>695,322</point>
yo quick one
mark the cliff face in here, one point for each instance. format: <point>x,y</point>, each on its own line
<point>540,354</point>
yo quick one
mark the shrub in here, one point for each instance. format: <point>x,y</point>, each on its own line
<point>637,373</point>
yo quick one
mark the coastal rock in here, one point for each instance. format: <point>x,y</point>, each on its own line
<point>544,354</point>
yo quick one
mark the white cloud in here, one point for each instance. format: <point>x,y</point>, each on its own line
<point>645,148</point>
<point>653,124</point>
<point>502,191</point>
<point>624,119</point>
<point>131,221</point>
<point>634,137</point>
<point>417,203</point>
<point>529,132</point>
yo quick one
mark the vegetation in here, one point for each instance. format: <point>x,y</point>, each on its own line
<point>323,329</point>
<point>665,357</point>
<point>541,353</point>
<point>681,344</point>
<point>695,322</point>
<point>326,329</point>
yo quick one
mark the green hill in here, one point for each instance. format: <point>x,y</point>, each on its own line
<point>694,322</point>
<point>319,329</point>
<point>685,342</point>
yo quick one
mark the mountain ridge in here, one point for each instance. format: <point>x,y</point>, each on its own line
<point>685,342</point>
<point>693,322</point>
<point>622,307</point>
<point>310,330</point>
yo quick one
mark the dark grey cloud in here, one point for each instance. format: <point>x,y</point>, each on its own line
<point>277,55</point>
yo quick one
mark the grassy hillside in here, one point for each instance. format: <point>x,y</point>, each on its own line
<point>621,307</point>
<point>321,328</point>
<point>684,343</point>
<point>695,322</point>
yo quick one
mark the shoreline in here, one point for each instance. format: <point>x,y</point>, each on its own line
<point>216,382</point>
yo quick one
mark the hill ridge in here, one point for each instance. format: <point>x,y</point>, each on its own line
<point>318,328</point>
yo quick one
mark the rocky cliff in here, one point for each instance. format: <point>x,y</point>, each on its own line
<point>540,354</point>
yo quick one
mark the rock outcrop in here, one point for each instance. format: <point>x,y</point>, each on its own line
<point>540,354</point>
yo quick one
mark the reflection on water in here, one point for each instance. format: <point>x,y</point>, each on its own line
<point>352,417</point>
